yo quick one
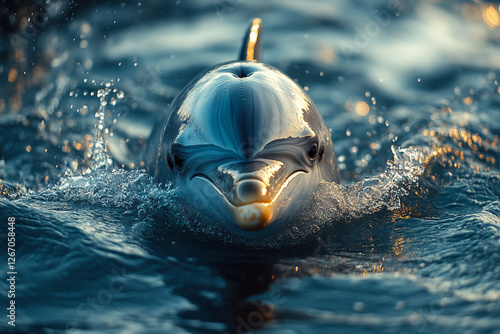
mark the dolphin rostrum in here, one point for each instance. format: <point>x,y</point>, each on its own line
<point>244,144</point>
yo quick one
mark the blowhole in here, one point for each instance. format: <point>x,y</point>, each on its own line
<point>243,75</point>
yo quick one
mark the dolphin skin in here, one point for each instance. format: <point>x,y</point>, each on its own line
<point>244,144</point>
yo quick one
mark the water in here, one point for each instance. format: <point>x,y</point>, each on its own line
<point>409,243</point>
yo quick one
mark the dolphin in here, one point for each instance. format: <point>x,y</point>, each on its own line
<point>244,144</point>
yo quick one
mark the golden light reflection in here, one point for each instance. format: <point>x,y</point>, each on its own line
<point>489,13</point>
<point>490,16</point>
<point>452,156</point>
<point>253,35</point>
<point>362,108</point>
<point>252,42</point>
<point>10,191</point>
<point>12,75</point>
<point>398,246</point>
<point>268,172</point>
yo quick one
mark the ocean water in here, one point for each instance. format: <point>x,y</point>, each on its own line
<point>408,243</point>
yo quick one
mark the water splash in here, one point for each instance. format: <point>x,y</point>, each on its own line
<point>335,201</point>
<point>101,158</point>
<point>138,193</point>
<point>100,155</point>
<point>109,188</point>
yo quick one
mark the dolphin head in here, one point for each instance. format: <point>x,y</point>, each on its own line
<point>246,145</point>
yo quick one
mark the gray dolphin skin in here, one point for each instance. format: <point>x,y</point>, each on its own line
<point>244,144</point>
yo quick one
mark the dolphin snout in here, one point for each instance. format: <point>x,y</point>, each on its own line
<point>252,214</point>
<point>252,190</point>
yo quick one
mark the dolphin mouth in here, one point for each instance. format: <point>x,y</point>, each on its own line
<point>253,216</point>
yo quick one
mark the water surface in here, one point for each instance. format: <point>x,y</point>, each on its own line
<point>409,243</point>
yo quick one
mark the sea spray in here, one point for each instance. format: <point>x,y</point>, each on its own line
<point>100,156</point>
<point>385,190</point>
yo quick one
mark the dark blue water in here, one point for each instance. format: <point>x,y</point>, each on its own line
<point>409,243</point>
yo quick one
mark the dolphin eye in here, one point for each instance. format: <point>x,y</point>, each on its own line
<point>312,151</point>
<point>178,161</point>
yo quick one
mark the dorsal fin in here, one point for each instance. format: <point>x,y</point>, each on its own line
<point>250,50</point>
